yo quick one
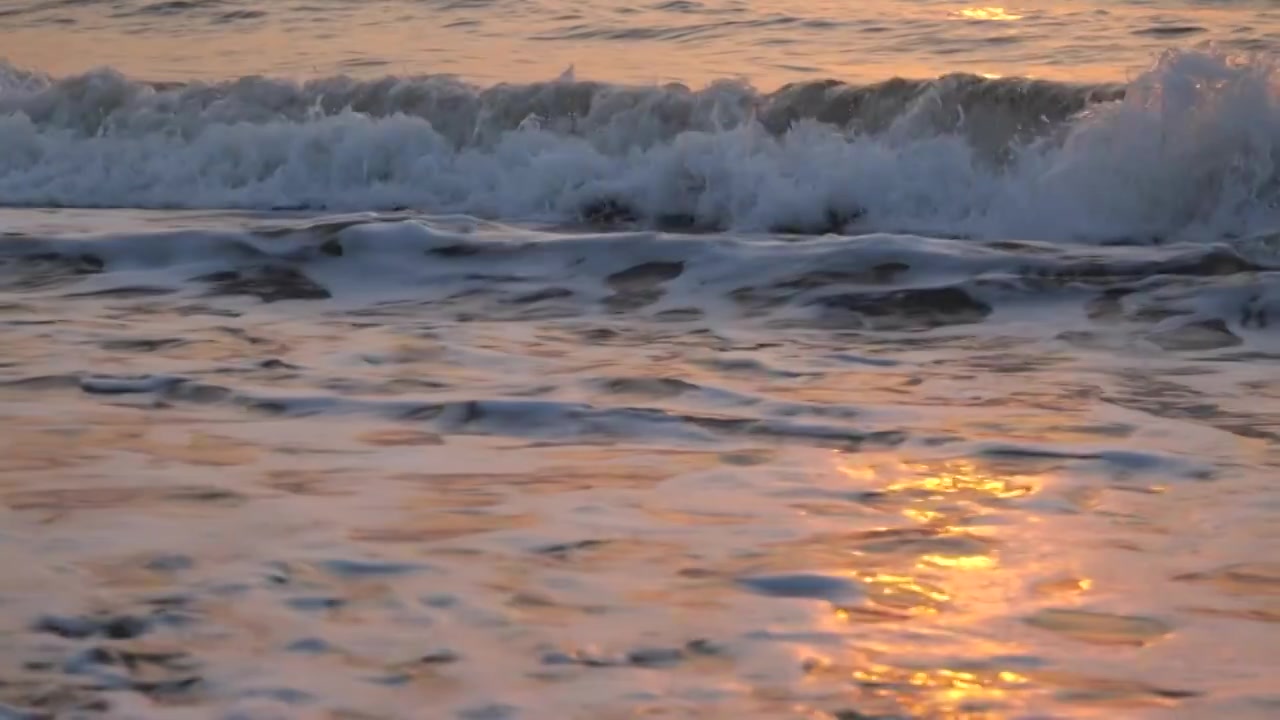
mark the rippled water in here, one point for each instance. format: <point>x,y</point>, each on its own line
<point>364,467</point>
<point>770,42</point>
<point>802,391</point>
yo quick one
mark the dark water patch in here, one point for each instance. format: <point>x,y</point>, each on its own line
<point>67,499</point>
<point>644,276</point>
<point>803,585</point>
<point>1014,452</point>
<point>647,657</point>
<point>489,711</point>
<point>45,702</point>
<point>833,221</point>
<point>325,230</point>
<point>1020,247</point>
<point>657,387</point>
<point>910,309</point>
<point>108,385</point>
<point>315,603</point>
<point>174,7</point>
<point>170,563</point>
<point>1214,262</point>
<point>640,285</point>
<point>143,344</point>
<point>438,656</point>
<point>1114,692</point>
<point>682,6</point>
<point>463,4</point>
<point>1165,399</point>
<point>1249,578</point>
<point>1270,615</point>
<point>269,284</point>
<point>1212,334</point>
<point>459,250</point>
<point>369,568</point>
<point>309,646</point>
<point>79,263</point>
<point>238,15</point>
<point>655,657</point>
<point>611,213</point>
<point>752,366</point>
<point>40,270</point>
<point>440,600</point>
<point>1109,306</point>
<point>543,295</point>
<point>879,274</point>
<point>28,323</point>
<point>123,293</point>
<point>746,458</point>
<point>404,673</point>
<point>523,417</point>
<point>131,659</point>
<point>607,213</point>
<point>819,435</point>
<point>1255,314</point>
<point>1121,463</point>
<point>564,551</point>
<point>201,310</point>
<point>288,696</point>
<point>1109,430</point>
<point>332,247</point>
<point>1170,31</point>
<point>489,278</point>
<point>679,315</point>
<point>76,628</point>
<point>198,393</point>
<point>42,382</point>
<point>1097,628</point>
<point>625,302</point>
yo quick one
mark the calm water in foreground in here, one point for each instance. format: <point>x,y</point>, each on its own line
<point>353,390</point>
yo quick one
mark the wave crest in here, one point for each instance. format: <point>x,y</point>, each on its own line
<point>1189,147</point>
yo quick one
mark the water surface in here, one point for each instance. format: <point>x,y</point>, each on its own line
<point>769,42</point>
<point>913,360</point>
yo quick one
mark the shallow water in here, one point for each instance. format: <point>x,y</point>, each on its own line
<point>805,390</point>
<point>541,475</point>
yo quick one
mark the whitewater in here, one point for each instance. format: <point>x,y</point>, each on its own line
<point>492,360</point>
<point>1187,149</point>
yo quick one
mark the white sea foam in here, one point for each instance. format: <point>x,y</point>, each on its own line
<point>1188,149</point>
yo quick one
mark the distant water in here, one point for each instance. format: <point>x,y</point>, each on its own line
<point>770,42</point>
<point>910,360</point>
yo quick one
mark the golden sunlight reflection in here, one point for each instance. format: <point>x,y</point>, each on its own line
<point>942,692</point>
<point>941,567</point>
<point>889,683</point>
<point>988,13</point>
<point>963,562</point>
<point>964,478</point>
<point>954,577</point>
<point>905,592</point>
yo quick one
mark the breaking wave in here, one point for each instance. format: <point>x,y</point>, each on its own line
<point>1188,150</point>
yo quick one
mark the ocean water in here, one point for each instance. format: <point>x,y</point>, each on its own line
<point>542,360</point>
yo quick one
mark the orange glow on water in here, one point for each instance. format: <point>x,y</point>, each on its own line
<point>988,13</point>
